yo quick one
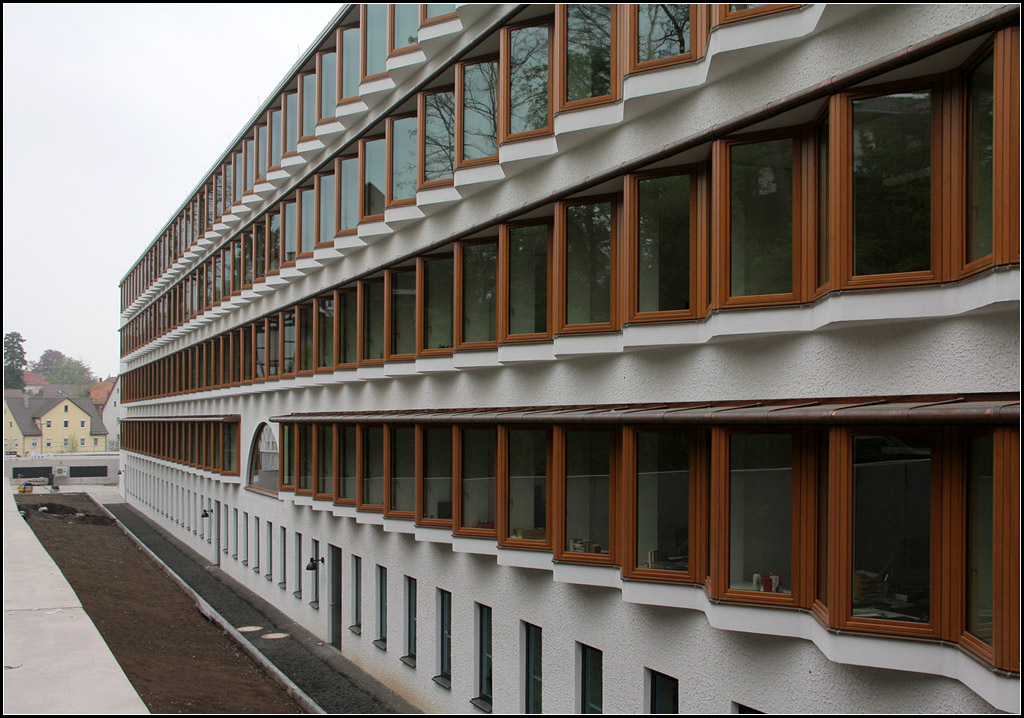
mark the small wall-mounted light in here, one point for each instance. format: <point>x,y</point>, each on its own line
<point>205,514</point>
<point>312,565</point>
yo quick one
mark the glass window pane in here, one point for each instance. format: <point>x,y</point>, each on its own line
<point>326,219</point>
<point>438,303</point>
<point>265,462</point>
<point>328,85</point>
<point>288,455</point>
<point>274,242</point>
<point>305,339</point>
<point>980,512</point>
<point>325,332</point>
<point>587,486</point>
<point>662,500</point>
<point>663,243</point>
<point>261,350</point>
<point>664,694</point>
<point>662,31</point>
<point>592,675</point>
<point>534,672</point>
<point>376,39</point>
<point>403,468</point>
<point>439,9</point>
<point>262,151</point>
<point>276,137</point>
<point>892,161</point>
<point>308,105</point>
<point>528,279</point>
<point>291,121</point>
<point>373,465</point>
<point>348,314</point>
<point>479,110</point>
<point>305,450</point>
<point>437,473</point>
<point>892,527</point>
<point>403,312</point>
<point>980,137</point>
<point>528,78</point>
<point>478,451</point>
<point>349,209</point>
<point>403,155</point>
<point>350,62</point>
<point>761,218</point>
<point>325,460</point>
<point>347,462</point>
<point>760,512</point>
<point>407,25</point>
<point>439,136</point>
<point>308,238</point>
<point>288,342</point>
<point>479,290</point>
<point>588,241</point>
<point>588,51</point>
<point>273,348</point>
<point>374,178</point>
<point>527,484</point>
<point>373,320</point>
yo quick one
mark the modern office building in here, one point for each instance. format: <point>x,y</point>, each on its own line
<point>611,358</point>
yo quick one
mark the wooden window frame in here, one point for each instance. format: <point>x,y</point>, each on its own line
<point>339,48</point>
<point>260,159</point>
<point>559,508</point>
<point>505,81</point>
<point>504,268</point>
<point>389,275</point>
<point>459,276</point>
<point>301,118</point>
<point>721,15</point>
<point>803,535</point>
<point>457,528</point>
<point>700,22</point>
<point>281,485</point>
<point>1004,47</point>
<point>361,504</point>
<point>811,219</point>
<point>841,217</point>
<point>562,63</point>
<point>309,305</point>
<point>361,331</point>
<point>339,231</point>
<point>698,502</point>
<point>317,180</point>
<point>337,498</point>
<point>352,289</point>
<point>721,227</point>
<point>321,118</point>
<point>292,198</point>
<point>421,446</point>
<point>285,152</point>
<point>503,492</point>
<point>460,71</point>
<point>421,139</point>
<point>329,368</point>
<point>363,27</point>
<point>299,491</point>
<point>389,162</point>
<point>269,119</point>
<point>406,49</point>
<point>421,304</point>
<point>388,511</point>
<point>943,470</point>
<point>363,217</point>
<point>561,265</point>
<point>424,20</point>
<point>700,251</point>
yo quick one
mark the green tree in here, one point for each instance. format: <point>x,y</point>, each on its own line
<point>14,360</point>
<point>46,362</point>
<point>72,371</point>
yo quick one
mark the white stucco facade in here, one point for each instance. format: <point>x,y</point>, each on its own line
<point>956,338</point>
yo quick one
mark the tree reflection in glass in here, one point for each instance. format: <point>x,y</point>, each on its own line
<point>528,79</point>
<point>479,110</point>
<point>663,31</point>
<point>588,51</point>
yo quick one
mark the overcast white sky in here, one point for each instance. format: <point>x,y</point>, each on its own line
<point>112,114</point>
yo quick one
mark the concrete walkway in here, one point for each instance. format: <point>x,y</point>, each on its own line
<point>55,661</point>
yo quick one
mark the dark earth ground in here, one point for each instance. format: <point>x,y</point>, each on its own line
<point>177,660</point>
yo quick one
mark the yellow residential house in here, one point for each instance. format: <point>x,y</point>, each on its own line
<point>56,425</point>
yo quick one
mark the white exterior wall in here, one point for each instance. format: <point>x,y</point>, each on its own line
<point>961,338</point>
